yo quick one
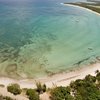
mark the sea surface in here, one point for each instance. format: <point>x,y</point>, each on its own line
<point>43,37</point>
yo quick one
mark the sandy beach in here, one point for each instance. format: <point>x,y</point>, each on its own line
<point>61,79</point>
<point>81,8</point>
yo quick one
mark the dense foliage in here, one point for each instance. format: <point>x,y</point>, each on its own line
<point>86,89</point>
<point>61,93</point>
<point>14,88</point>
<point>32,94</point>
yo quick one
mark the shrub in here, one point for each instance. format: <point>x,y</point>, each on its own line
<point>5,98</point>
<point>85,89</point>
<point>14,88</point>
<point>8,98</point>
<point>98,76</point>
<point>78,97</point>
<point>1,85</point>
<point>90,78</point>
<point>40,88</point>
<point>61,93</point>
<point>44,88</point>
<point>97,71</point>
<point>32,94</point>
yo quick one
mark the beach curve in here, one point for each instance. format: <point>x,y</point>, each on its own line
<point>81,8</point>
<point>61,79</point>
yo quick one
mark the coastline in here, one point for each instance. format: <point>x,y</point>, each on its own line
<point>14,72</point>
<point>61,79</point>
<point>72,5</point>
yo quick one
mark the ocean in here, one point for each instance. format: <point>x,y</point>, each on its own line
<point>43,37</point>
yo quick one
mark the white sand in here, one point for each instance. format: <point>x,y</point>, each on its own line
<point>62,79</point>
<point>44,96</point>
<point>82,8</point>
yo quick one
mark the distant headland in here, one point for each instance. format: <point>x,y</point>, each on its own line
<point>94,6</point>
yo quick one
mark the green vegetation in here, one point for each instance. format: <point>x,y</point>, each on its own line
<point>40,88</point>
<point>14,88</point>
<point>61,93</point>
<point>32,94</point>
<point>8,98</point>
<point>5,98</point>
<point>93,6</point>
<point>98,77</point>
<point>86,89</point>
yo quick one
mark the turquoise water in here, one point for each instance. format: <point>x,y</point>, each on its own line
<point>41,37</point>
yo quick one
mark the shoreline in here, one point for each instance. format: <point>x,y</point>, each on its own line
<point>72,5</point>
<point>60,79</point>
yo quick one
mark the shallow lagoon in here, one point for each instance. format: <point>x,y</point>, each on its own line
<point>39,38</point>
